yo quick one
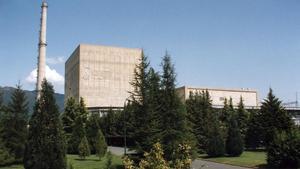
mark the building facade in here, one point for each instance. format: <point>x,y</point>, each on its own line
<point>101,75</point>
<point>218,95</point>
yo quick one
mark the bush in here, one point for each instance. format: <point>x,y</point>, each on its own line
<point>84,148</point>
<point>109,161</point>
<point>155,160</point>
<point>100,145</point>
<point>284,150</point>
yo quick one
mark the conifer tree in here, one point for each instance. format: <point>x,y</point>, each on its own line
<point>79,128</point>
<point>215,140</point>
<point>84,148</point>
<point>92,129</point>
<point>254,137</point>
<point>224,117</point>
<point>198,107</point>
<point>1,105</point>
<point>5,157</point>
<point>242,118</point>
<point>45,146</point>
<point>173,112</point>
<point>274,117</point>
<point>145,104</point>
<point>140,103</point>
<point>14,124</point>
<point>234,142</point>
<point>100,145</point>
<point>69,115</point>
<point>153,123</point>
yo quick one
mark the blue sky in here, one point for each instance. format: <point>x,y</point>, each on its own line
<point>214,43</point>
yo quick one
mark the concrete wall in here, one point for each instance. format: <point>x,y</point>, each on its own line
<point>250,97</point>
<point>104,74</point>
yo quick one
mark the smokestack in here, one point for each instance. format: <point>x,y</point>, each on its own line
<point>42,49</point>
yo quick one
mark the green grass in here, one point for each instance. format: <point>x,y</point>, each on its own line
<point>247,159</point>
<point>91,162</point>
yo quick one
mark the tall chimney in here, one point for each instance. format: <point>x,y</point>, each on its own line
<point>42,50</point>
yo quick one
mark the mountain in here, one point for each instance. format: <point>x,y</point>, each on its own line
<point>7,91</point>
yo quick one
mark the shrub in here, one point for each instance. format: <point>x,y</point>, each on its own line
<point>84,148</point>
<point>109,161</point>
<point>284,150</point>
<point>100,145</point>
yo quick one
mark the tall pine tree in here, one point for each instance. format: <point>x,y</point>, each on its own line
<point>69,116</point>
<point>242,118</point>
<point>79,128</point>
<point>215,140</point>
<point>274,117</point>
<point>14,124</point>
<point>198,107</point>
<point>234,142</point>
<point>45,146</point>
<point>145,104</point>
<point>92,129</point>
<point>254,133</point>
<point>174,118</point>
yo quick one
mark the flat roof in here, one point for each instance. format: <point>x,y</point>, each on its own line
<point>220,89</point>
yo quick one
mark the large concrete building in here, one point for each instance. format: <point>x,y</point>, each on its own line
<point>218,95</point>
<point>101,75</point>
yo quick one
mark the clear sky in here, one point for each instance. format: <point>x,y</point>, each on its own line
<point>214,43</point>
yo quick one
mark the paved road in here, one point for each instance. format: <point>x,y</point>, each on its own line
<point>197,164</point>
<point>119,150</point>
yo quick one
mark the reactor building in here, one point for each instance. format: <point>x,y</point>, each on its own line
<point>101,75</point>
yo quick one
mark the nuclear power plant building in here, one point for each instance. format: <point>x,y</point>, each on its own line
<point>218,95</point>
<point>101,75</point>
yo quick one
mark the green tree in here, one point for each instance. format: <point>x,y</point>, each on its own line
<point>45,146</point>
<point>284,150</point>
<point>92,128</point>
<point>242,118</point>
<point>79,128</point>
<point>84,148</point>
<point>1,105</point>
<point>100,145</point>
<point>215,140</point>
<point>5,157</point>
<point>69,116</point>
<point>139,103</point>
<point>198,107</point>
<point>145,106</point>
<point>273,117</point>
<point>109,123</point>
<point>14,124</point>
<point>225,113</point>
<point>254,132</point>
<point>174,118</point>
<point>234,142</point>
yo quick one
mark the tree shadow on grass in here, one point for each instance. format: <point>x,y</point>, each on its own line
<point>118,166</point>
<point>262,166</point>
<point>79,159</point>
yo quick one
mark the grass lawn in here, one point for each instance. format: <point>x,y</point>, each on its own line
<point>247,159</point>
<point>91,162</point>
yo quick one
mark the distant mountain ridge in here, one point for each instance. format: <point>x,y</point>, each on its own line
<point>7,92</point>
